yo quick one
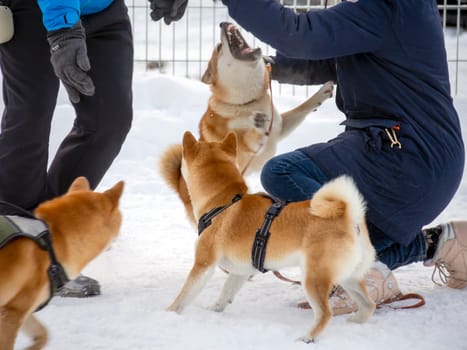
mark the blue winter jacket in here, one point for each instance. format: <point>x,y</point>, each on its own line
<point>389,61</point>
<point>65,13</point>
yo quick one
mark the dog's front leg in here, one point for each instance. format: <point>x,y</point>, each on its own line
<point>256,120</point>
<point>231,286</point>
<point>293,118</point>
<point>10,322</point>
<point>36,331</point>
<point>194,284</point>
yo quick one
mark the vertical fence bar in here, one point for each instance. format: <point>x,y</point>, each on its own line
<point>157,54</point>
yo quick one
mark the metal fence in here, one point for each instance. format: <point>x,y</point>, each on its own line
<point>184,47</point>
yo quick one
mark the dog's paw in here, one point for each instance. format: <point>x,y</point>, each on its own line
<point>260,120</point>
<point>360,316</point>
<point>323,93</point>
<point>173,308</point>
<point>217,307</point>
<point>326,90</point>
<point>306,339</point>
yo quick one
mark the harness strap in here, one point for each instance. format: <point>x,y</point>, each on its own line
<point>258,252</point>
<point>56,273</point>
<point>206,219</point>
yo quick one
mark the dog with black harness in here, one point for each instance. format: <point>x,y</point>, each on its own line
<point>326,237</point>
<point>39,253</point>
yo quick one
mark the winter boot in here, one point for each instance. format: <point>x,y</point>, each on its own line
<point>447,252</point>
<point>382,288</point>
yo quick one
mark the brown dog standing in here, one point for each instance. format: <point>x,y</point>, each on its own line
<point>82,224</point>
<point>327,236</point>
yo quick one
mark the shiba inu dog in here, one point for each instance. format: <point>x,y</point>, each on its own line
<point>241,102</point>
<point>326,237</point>
<point>81,224</point>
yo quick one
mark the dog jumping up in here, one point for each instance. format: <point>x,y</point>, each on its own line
<point>81,225</point>
<point>326,237</point>
<point>240,102</point>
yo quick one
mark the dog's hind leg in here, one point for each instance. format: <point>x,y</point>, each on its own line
<point>36,331</point>
<point>317,289</point>
<point>359,294</point>
<point>194,284</point>
<point>231,287</point>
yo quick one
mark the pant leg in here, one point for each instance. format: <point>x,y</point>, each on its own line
<point>103,120</point>
<point>292,176</point>
<point>29,92</point>
<point>394,254</point>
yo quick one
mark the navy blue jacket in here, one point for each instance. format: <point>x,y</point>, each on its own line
<point>389,62</point>
<point>57,14</point>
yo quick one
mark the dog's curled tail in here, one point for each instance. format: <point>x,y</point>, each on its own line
<point>337,198</point>
<point>170,166</point>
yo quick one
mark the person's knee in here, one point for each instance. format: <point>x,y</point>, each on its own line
<point>270,177</point>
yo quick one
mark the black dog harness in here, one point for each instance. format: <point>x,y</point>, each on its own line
<point>206,219</point>
<point>258,252</point>
<point>27,226</point>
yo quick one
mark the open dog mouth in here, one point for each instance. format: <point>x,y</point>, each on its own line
<point>238,47</point>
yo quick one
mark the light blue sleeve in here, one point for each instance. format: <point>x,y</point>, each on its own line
<point>58,14</point>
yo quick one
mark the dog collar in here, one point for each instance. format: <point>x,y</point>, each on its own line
<point>24,224</point>
<point>206,219</point>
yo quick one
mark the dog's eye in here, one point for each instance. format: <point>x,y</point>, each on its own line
<point>219,47</point>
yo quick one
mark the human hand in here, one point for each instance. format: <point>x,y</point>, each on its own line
<point>171,10</point>
<point>70,60</point>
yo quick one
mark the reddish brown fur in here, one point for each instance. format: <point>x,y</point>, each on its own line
<point>223,115</point>
<point>82,224</point>
<point>323,236</point>
<point>170,167</point>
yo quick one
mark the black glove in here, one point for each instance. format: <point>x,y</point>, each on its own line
<point>70,60</point>
<point>171,10</point>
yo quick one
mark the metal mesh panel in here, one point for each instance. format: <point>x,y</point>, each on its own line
<point>184,47</point>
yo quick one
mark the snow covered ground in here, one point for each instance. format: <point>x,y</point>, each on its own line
<point>145,268</point>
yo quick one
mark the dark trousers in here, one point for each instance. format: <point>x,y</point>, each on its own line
<point>30,90</point>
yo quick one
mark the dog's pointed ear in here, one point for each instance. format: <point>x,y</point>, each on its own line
<point>229,143</point>
<point>188,140</point>
<point>79,184</point>
<point>207,75</point>
<point>115,193</point>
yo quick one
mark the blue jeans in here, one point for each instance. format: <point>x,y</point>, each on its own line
<point>294,176</point>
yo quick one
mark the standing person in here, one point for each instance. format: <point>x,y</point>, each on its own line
<point>88,47</point>
<point>402,142</point>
